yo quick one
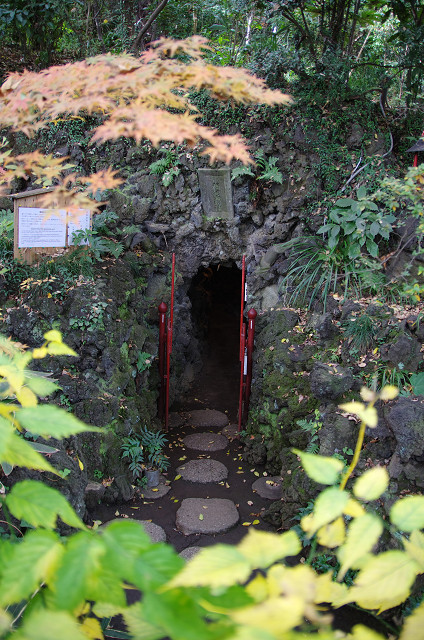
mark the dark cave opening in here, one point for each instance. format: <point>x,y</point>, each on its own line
<point>215,294</point>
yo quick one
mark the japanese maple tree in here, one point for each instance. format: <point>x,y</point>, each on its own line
<point>144,98</point>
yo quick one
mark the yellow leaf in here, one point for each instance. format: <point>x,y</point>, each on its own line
<point>262,548</point>
<point>246,524</point>
<point>368,395</point>
<point>372,484</point>
<point>155,489</point>
<point>326,590</point>
<point>353,509</point>
<point>80,464</point>
<point>39,353</point>
<point>366,414</point>
<point>92,629</point>
<point>329,505</point>
<point>389,393</point>
<point>408,513</point>
<point>362,535</point>
<point>257,588</point>
<point>53,336</point>
<point>384,582</point>
<point>360,632</point>
<point>218,566</point>
<point>413,625</point>
<point>415,547</point>
<point>177,477</point>
<point>26,397</point>
<point>333,534</point>
<point>201,516</point>
<point>256,522</point>
<point>275,615</point>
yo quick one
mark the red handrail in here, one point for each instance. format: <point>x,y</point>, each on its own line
<point>169,343</point>
<point>162,308</point>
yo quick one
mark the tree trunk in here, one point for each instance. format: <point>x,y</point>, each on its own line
<point>143,30</point>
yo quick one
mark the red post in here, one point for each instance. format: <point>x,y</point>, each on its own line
<point>242,373</point>
<point>169,343</point>
<point>250,344</point>
<point>162,308</point>
<point>242,340</point>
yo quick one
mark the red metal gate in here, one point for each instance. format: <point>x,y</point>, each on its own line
<point>247,339</point>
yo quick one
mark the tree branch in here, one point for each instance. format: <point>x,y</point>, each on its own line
<point>143,30</point>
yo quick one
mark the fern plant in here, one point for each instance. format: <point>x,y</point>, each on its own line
<point>312,427</point>
<point>267,169</point>
<point>167,167</point>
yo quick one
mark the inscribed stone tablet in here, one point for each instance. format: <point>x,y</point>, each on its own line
<point>215,191</point>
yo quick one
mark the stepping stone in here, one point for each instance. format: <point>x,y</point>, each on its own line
<point>203,471</point>
<point>156,492</point>
<point>154,531</point>
<point>270,488</point>
<point>206,441</point>
<point>206,515</point>
<point>207,418</point>
<point>190,552</point>
<point>230,431</point>
<point>175,420</point>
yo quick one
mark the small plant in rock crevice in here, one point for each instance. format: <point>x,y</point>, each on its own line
<point>167,166</point>
<point>360,331</point>
<point>266,169</point>
<point>312,427</point>
<point>133,451</point>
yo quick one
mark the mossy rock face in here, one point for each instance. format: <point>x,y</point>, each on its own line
<point>330,381</point>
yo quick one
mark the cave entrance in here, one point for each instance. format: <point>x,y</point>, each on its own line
<point>215,293</point>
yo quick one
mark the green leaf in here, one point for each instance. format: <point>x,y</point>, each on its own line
<point>49,625</point>
<point>177,615</point>
<point>325,228</point>
<point>361,192</point>
<point>345,202</point>
<point>16,452</point>
<point>84,574</point>
<point>217,566</point>
<point>362,535</point>
<point>156,566</point>
<point>354,250</point>
<point>328,506</point>
<point>41,386</point>
<point>40,505</point>
<point>138,627</point>
<point>125,541</point>
<point>408,513</point>
<point>372,248</point>
<point>42,448</point>
<point>322,469</point>
<point>31,563</point>
<point>384,582</point>
<point>375,228</point>
<point>49,420</point>
<point>415,547</point>
<point>262,548</point>
<point>372,484</point>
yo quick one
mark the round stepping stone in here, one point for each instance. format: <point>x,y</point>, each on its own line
<point>156,492</point>
<point>190,552</point>
<point>206,515</point>
<point>203,471</point>
<point>206,441</point>
<point>154,531</point>
<point>207,418</point>
<point>175,420</point>
<point>270,488</point>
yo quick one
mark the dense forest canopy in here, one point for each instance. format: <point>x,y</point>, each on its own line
<point>366,45</point>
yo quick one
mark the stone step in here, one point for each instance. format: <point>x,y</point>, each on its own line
<point>203,471</point>
<point>269,488</point>
<point>206,418</point>
<point>190,552</point>
<point>206,441</point>
<point>154,531</point>
<point>206,515</point>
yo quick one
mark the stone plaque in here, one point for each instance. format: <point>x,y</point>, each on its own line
<point>215,191</point>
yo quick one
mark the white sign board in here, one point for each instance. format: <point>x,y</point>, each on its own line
<point>42,228</point>
<point>83,223</point>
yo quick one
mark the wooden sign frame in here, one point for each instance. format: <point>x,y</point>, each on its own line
<point>34,254</point>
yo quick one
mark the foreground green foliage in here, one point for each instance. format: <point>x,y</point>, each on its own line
<point>70,587</point>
